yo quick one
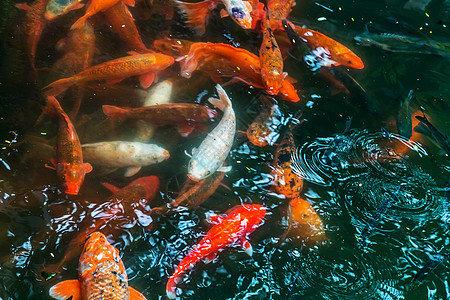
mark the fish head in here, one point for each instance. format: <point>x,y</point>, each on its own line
<point>149,183</point>
<point>350,59</point>
<point>288,92</point>
<point>198,170</point>
<point>257,134</point>
<point>240,13</point>
<point>71,177</point>
<point>304,218</point>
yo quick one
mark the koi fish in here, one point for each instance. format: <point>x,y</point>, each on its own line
<point>214,149</point>
<point>222,60</point>
<point>404,122</point>
<point>96,6</point>
<point>118,154</point>
<point>239,223</point>
<point>122,22</point>
<point>304,223</point>
<point>101,273</point>
<point>115,71</point>
<point>193,194</point>
<point>186,116</point>
<point>35,23</point>
<point>328,49</point>
<point>125,208</point>
<point>197,13</point>
<point>57,8</point>
<point>271,60</point>
<point>279,10</point>
<point>69,165</point>
<point>285,181</point>
<point>432,132</point>
<point>263,130</point>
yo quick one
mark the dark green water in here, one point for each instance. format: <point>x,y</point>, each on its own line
<point>37,221</point>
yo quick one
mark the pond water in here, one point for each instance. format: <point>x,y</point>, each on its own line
<point>349,168</point>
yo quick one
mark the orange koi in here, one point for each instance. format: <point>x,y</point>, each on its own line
<point>197,13</point>
<point>101,274</point>
<point>263,131</point>
<point>185,116</point>
<point>279,10</point>
<point>271,60</point>
<point>125,207</point>
<point>35,23</point>
<point>193,194</point>
<point>115,71</point>
<point>285,181</point>
<point>69,165</point>
<point>219,59</point>
<point>96,6</point>
<point>239,223</point>
<point>122,22</point>
<point>329,49</point>
<point>304,223</point>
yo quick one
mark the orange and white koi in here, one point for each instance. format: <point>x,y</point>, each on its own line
<point>69,164</point>
<point>119,154</point>
<point>101,274</point>
<point>271,60</point>
<point>197,13</point>
<point>186,116</point>
<point>96,6</point>
<point>145,65</point>
<point>214,149</point>
<point>35,23</point>
<point>122,22</point>
<point>239,223</point>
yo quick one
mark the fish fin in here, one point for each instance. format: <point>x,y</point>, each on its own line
<point>52,107</point>
<point>131,171</point>
<point>185,130</point>
<point>197,13</point>
<point>113,111</point>
<point>111,187</point>
<point>61,44</point>
<point>422,129</point>
<point>171,287</point>
<point>50,167</point>
<point>146,80</point>
<point>129,2</point>
<point>193,150</point>
<point>248,6</point>
<point>225,186</point>
<point>79,24</point>
<point>245,244</point>
<point>213,218</point>
<point>57,87</point>
<point>87,168</point>
<point>224,169</point>
<point>114,81</point>
<point>132,53</point>
<point>135,295</point>
<point>224,13</point>
<point>78,5</point>
<point>22,6</point>
<point>187,154</point>
<point>220,103</point>
<point>241,132</point>
<point>66,289</point>
<point>209,258</point>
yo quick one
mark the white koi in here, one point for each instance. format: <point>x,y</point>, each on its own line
<point>214,149</point>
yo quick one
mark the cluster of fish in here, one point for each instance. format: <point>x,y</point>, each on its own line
<point>101,271</point>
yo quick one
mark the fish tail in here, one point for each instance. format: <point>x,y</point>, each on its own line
<point>224,102</point>
<point>113,111</point>
<point>79,24</point>
<point>196,13</point>
<point>52,107</point>
<point>57,87</point>
<point>171,288</point>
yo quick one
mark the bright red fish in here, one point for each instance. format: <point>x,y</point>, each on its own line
<point>101,274</point>
<point>240,222</point>
<point>35,23</point>
<point>116,70</point>
<point>69,165</point>
<point>122,22</point>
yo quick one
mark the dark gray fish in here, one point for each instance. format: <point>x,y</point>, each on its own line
<point>403,43</point>
<point>404,120</point>
<point>432,132</point>
<point>429,267</point>
<point>378,213</point>
<point>357,92</point>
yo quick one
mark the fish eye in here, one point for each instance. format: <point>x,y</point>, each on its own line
<point>208,172</point>
<point>237,12</point>
<point>305,216</point>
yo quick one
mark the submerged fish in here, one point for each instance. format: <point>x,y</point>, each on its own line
<point>101,274</point>
<point>114,71</point>
<point>404,119</point>
<point>57,8</point>
<point>118,154</point>
<point>264,129</point>
<point>212,152</point>
<point>197,13</point>
<point>432,132</point>
<point>231,229</point>
<point>69,164</point>
<point>279,10</point>
<point>429,267</point>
